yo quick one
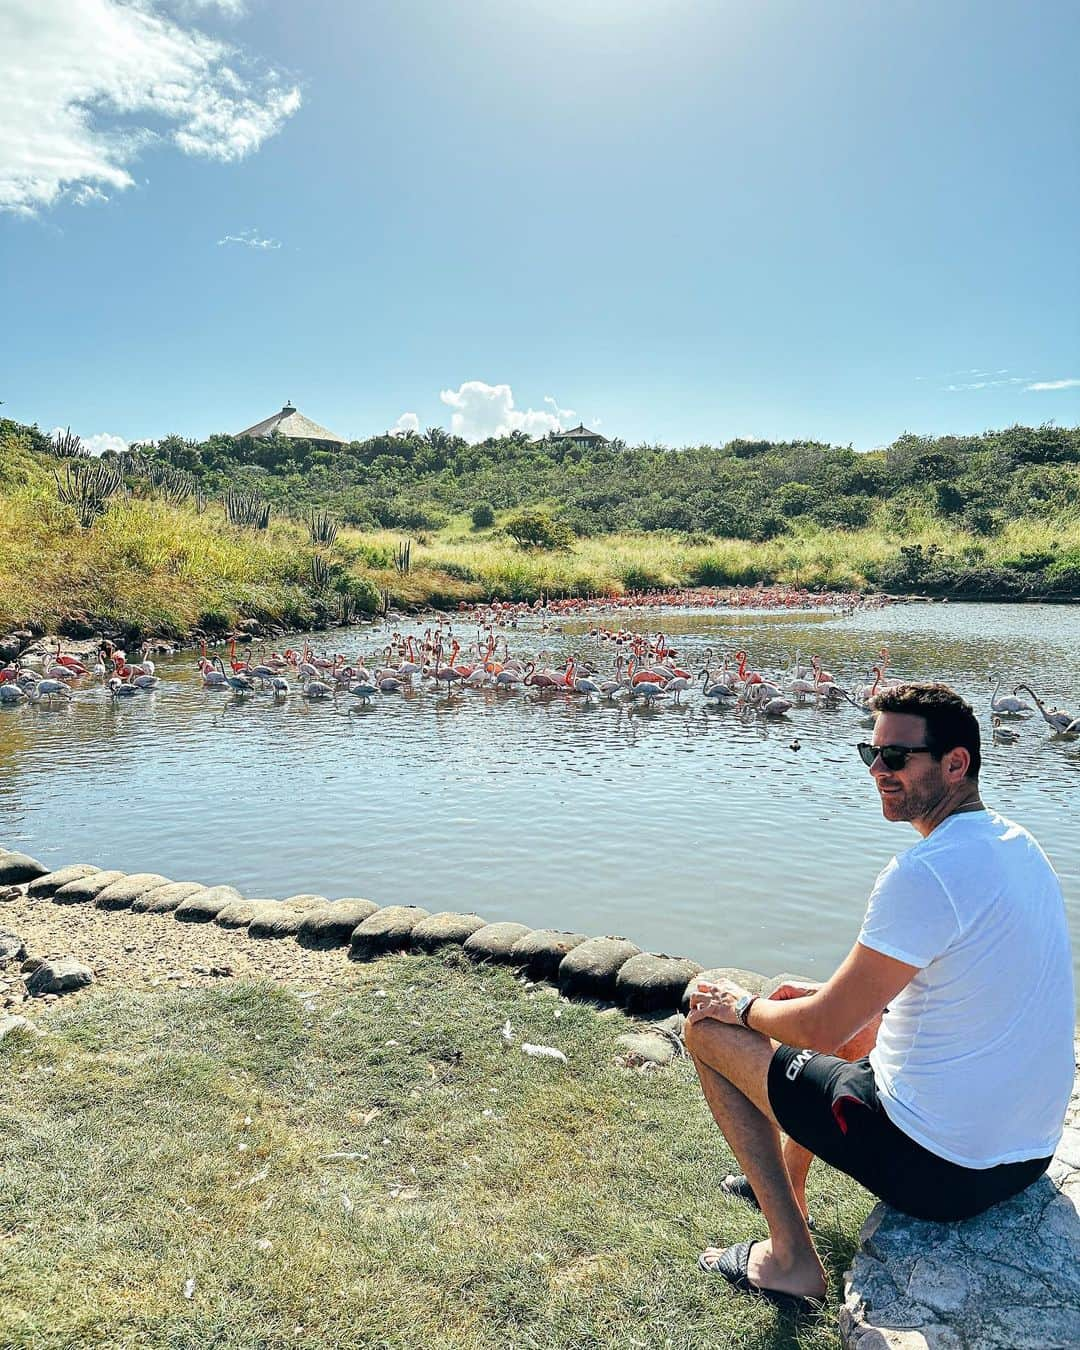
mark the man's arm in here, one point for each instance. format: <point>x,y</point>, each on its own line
<point>825,1019</point>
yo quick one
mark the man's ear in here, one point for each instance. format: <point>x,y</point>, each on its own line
<point>957,762</point>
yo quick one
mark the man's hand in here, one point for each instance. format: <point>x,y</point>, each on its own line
<point>716,1002</point>
<point>786,991</point>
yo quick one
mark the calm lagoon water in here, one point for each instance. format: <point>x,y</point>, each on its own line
<point>682,827</point>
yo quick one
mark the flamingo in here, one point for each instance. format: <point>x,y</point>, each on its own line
<point>48,689</point>
<point>12,693</point>
<point>1060,722</point>
<point>537,679</point>
<point>119,688</point>
<point>721,694</point>
<point>238,683</point>
<point>317,689</point>
<point>1008,705</point>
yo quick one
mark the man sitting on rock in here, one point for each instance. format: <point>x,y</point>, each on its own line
<point>958,992</point>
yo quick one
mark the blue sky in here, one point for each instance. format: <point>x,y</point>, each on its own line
<point>679,221</point>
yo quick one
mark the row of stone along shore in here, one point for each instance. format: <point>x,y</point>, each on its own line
<point>610,969</point>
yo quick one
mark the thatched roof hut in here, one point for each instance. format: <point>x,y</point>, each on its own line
<point>289,422</point>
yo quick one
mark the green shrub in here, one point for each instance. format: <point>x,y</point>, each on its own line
<point>533,528</point>
<point>483,515</point>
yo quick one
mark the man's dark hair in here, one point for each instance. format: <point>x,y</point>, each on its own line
<point>950,720</point>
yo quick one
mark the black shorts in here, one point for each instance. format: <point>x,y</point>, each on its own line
<point>831,1107</point>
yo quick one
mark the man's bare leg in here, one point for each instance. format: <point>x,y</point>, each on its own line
<point>733,1066</point>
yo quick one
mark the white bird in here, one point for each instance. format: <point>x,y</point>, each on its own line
<point>121,689</point>
<point>50,688</point>
<point>12,693</point>
<point>1061,723</point>
<point>1006,735</point>
<point>317,689</point>
<point>1008,705</point>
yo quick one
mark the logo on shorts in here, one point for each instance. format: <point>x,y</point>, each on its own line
<point>801,1060</point>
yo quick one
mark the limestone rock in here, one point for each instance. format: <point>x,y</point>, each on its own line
<point>650,982</point>
<point>541,952</point>
<point>207,904</point>
<point>749,979</point>
<point>11,1023</point>
<point>387,930</point>
<point>12,947</point>
<point>592,968</point>
<point>495,941</point>
<point>122,894</point>
<point>59,975</point>
<point>334,925</point>
<point>85,889</point>
<point>51,882</point>
<point>17,868</point>
<point>164,899</point>
<point>1010,1277</point>
<point>443,930</point>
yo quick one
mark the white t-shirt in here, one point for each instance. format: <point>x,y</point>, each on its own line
<point>974,1058</point>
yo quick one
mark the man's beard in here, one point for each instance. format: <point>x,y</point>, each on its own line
<point>910,803</point>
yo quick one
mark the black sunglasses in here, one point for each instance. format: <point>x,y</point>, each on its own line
<point>894,757</point>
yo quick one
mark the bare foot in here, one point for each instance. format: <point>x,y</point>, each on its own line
<point>805,1276</point>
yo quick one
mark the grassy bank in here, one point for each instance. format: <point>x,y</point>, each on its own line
<point>157,568</point>
<point>494,1200</point>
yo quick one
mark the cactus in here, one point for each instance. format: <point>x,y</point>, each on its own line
<point>247,508</point>
<point>87,488</point>
<point>322,529</point>
<point>320,572</point>
<point>67,446</point>
<point>403,561</point>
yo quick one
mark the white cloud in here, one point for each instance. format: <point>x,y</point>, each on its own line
<point>86,85</point>
<point>250,239</point>
<point>482,410</point>
<point>985,384</point>
<point>1041,385</point>
<point>406,422</point>
<point>98,443</point>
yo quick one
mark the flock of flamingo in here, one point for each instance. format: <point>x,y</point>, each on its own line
<point>644,670</point>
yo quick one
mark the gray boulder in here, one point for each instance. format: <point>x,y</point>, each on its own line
<point>304,904</point>
<point>122,894</point>
<point>164,899</point>
<point>11,1023</point>
<point>333,926</point>
<point>206,904</point>
<point>540,953</point>
<point>387,930</point>
<point>276,921</point>
<point>444,930</point>
<point>240,913</point>
<point>17,868</point>
<point>59,975</point>
<point>650,982</point>
<point>85,889</point>
<point>12,947</point>
<point>748,979</point>
<point>51,882</point>
<point>592,968</point>
<point>495,941</point>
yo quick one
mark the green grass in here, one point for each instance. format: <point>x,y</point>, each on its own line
<point>499,1200</point>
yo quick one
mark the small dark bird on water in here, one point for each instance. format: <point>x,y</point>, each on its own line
<point>795,744</point>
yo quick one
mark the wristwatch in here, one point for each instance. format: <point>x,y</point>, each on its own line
<point>742,1008</point>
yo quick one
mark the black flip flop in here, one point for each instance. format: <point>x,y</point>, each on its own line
<point>739,1188</point>
<point>732,1263</point>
